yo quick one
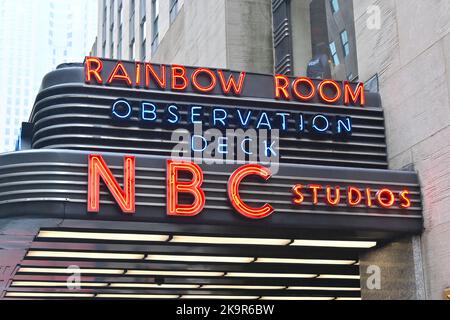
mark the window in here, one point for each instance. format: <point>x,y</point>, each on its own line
<point>104,49</point>
<point>143,9</point>
<point>111,37</point>
<point>345,44</point>
<point>155,30</point>
<point>334,54</point>
<point>334,6</point>
<point>173,10</point>
<point>132,48</point>
<point>143,39</point>
<point>119,40</point>
<point>119,15</point>
<point>119,44</point>
<point>111,14</point>
<point>132,26</point>
<point>105,13</point>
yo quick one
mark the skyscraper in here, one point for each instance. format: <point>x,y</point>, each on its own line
<point>36,36</point>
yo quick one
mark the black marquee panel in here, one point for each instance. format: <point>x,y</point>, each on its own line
<point>69,114</point>
<point>59,179</point>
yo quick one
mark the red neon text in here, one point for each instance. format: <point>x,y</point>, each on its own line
<point>125,197</point>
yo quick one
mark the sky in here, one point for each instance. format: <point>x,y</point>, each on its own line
<point>35,37</point>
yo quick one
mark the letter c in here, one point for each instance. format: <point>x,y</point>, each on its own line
<point>233,191</point>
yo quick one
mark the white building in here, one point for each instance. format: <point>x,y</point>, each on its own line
<point>36,36</point>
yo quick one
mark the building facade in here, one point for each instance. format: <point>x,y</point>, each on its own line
<point>36,36</point>
<point>408,51</point>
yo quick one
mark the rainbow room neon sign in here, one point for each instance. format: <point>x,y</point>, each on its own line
<point>350,196</point>
<point>204,81</point>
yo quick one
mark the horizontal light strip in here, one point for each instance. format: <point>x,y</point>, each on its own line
<point>324,288</point>
<point>103,236</point>
<point>175,273</point>
<point>334,243</point>
<point>229,240</point>
<point>49,295</point>
<point>294,298</point>
<point>69,270</point>
<point>206,240</point>
<point>338,276</point>
<point>348,298</point>
<point>205,296</point>
<point>269,275</point>
<point>85,255</point>
<point>56,284</point>
<point>136,296</point>
<point>244,287</point>
<point>155,285</point>
<point>159,257</point>
<point>304,261</point>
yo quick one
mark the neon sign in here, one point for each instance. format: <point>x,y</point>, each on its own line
<point>205,81</point>
<point>311,194</point>
<point>167,114</point>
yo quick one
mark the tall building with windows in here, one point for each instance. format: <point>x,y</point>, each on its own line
<point>199,32</point>
<point>36,36</point>
<point>393,47</point>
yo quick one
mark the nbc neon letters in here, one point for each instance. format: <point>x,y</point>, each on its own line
<point>311,194</point>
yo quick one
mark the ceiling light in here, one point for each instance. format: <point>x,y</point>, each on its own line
<point>85,255</point>
<point>245,287</point>
<point>205,296</point>
<point>69,270</point>
<point>55,284</point>
<point>338,276</point>
<point>334,243</point>
<point>294,298</point>
<point>269,275</point>
<point>103,236</point>
<point>176,273</point>
<point>230,240</point>
<point>348,298</point>
<point>155,285</point>
<point>49,295</point>
<point>304,261</point>
<point>323,288</point>
<point>136,296</point>
<point>199,258</point>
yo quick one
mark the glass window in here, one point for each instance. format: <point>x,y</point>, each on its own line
<point>119,44</point>
<point>155,26</point>
<point>119,15</point>
<point>143,39</point>
<point>334,54</point>
<point>132,48</point>
<point>143,9</point>
<point>143,50</point>
<point>111,13</point>
<point>173,10</point>
<point>345,44</point>
<point>132,21</point>
<point>334,6</point>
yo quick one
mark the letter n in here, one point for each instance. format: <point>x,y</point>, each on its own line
<point>125,197</point>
